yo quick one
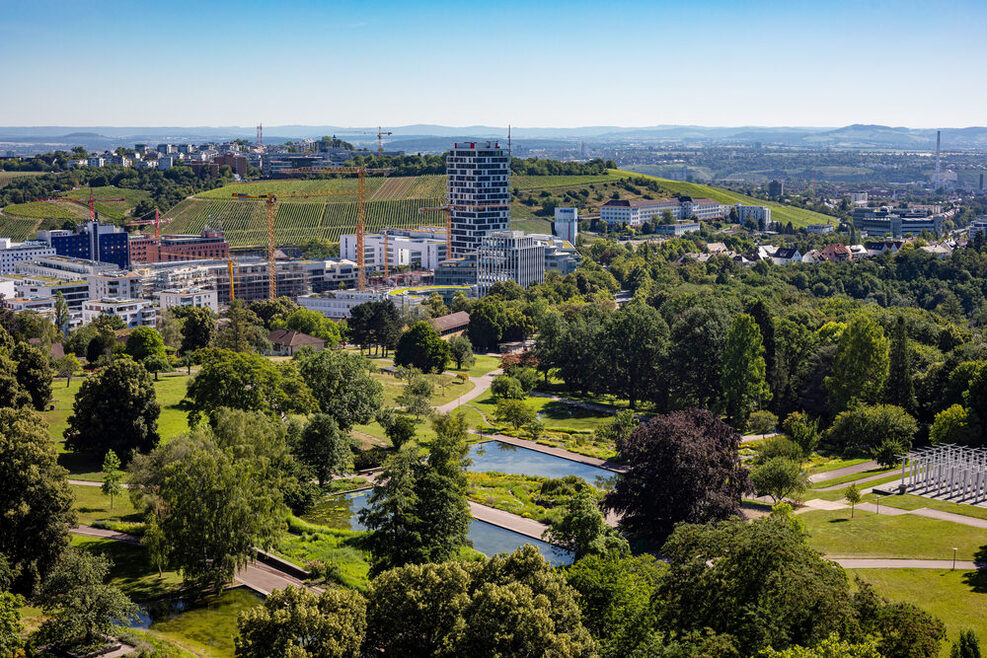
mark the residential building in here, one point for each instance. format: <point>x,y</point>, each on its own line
<point>776,188</point>
<point>166,162</point>
<point>116,285</point>
<point>509,256</point>
<point>76,293</point>
<point>756,215</point>
<point>8,287</point>
<point>13,252</point>
<point>198,297</point>
<point>978,226</point>
<point>876,248</point>
<point>43,305</point>
<point>133,312</point>
<point>857,251</point>
<point>285,342</point>
<point>858,198</point>
<point>421,248</point>
<point>63,267</point>
<point>95,161</point>
<point>105,243</point>
<point>779,255</point>
<point>478,175</point>
<point>166,149</point>
<point>238,163</point>
<point>567,224</point>
<point>634,212</point>
<point>937,250</point>
<point>834,253</point>
<point>819,229</point>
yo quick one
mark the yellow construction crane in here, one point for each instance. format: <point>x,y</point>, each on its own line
<point>229,266</point>
<point>272,202</point>
<point>361,211</point>
<point>456,206</point>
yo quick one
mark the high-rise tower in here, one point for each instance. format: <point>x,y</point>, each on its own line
<point>478,174</point>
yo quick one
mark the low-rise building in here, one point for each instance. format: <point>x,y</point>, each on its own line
<point>75,292</point>
<point>678,228</point>
<point>115,285</point>
<point>634,212</point>
<point>12,253</point>
<point>63,267</point>
<point>421,248</point>
<point>133,312</point>
<point>819,229</point>
<point>285,342</point>
<point>338,304</point>
<point>977,227</point>
<point>198,297</point>
<point>456,272</point>
<point>451,324</point>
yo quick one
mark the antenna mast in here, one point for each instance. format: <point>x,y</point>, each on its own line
<point>509,152</point>
<point>938,145</point>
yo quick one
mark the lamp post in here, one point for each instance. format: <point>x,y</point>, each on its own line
<point>954,559</point>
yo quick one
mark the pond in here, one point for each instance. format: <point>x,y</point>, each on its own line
<point>506,458</point>
<point>341,512</point>
<point>206,626</point>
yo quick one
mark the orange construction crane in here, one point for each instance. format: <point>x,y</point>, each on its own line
<point>380,137</point>
<point>272,202</point>
<point>157,221</point>
<point>229,266</point>
<point>361,211</point>
<point>91,202</point>
<point>456,206</point>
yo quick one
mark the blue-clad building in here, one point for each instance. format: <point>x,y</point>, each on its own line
<point>93,241</point>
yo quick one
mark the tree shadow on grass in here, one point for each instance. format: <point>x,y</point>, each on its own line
<point>839,520</point>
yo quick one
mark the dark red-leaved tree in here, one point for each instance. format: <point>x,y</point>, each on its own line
<point>682,467</point>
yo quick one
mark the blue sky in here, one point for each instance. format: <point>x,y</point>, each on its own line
<point>177,63</point>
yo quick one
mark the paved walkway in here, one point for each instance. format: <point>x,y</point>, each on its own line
<point>555,452</point>
<point>260,577</point>
<point>884,563</point>
<point>480,386</point>
<point>885,510</point>
<point>519,524</point>
<point>869,478</point>
<point>840,472</point>
<point>582,404</point>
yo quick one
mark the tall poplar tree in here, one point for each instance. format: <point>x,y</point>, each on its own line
<point>743,380</point>
<point>861,365</point>
<point>900,388</point>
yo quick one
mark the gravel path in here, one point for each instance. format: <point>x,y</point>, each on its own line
<point>884,563</point>
<point>840,472</point>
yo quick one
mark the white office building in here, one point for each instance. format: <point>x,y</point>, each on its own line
<point>75,293</point>
<point>509,256</point>
<point>13,252</point>
<point>478,175</point>
<point>117,285</point>
<point>198,297</point>
<point>567,223</point>
<point>338,304</point>
<point>634,212</point>
<point>421,248</point>
<point>978,226</point>
<point>753,214</point>
<point>133,312</point>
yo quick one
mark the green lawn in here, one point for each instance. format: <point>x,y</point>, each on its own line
<point>91,505</point>
<point>958,597</point>
<point>517,494</point>
<point>482,364</point>
<point>132,571</point>
<point>908,501</point>
<point>837,494</point>
<point>834,533</point>
<point>847,479</point>
<point>823,464</point>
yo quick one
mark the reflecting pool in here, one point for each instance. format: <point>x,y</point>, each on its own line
<point>507,458</point>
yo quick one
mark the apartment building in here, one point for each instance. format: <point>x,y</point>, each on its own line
<point>198,297</point>
<point>12,253</point>
<point>133,312</point>
<point>634,212</point>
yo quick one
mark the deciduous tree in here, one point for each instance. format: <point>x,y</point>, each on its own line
<point>324,449</point>
<point>743,377</point>
<point>115,409</point>
<point>634,346</point>
<point>145,342</point>
<point>34,374</point>
<point>342,386</point>
<point>780,478</point>
<point>681,467</point>
<point>112,476</point>
<point>461,352</point>
<point>861,365</point>
<point>421,347</point>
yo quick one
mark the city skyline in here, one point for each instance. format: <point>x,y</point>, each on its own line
<point>559,65</point>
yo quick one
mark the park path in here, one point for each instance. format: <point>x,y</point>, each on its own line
<point>844,485</point>
<point>480,386</point>
<point>527,527</point>
<point>890,563</point>
<point>884,510</point>
<point>261,578</point>
<point>840,472</point>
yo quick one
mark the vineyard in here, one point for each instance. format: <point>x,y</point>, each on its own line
<point>116,210</point>
<point>17,229</point>
<point>393,202</point>
<point>7,176</point>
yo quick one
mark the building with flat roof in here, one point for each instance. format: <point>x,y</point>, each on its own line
<point>105,243</point>
<point>12,252</point>
<point>478,174</point>
<point>456,271</point>
<point>209,244</point>
<point>421,248</point>
<point>757,215</point>
<point>337,304</point>
<point>567,223</point>
<point>819,229</point>
<point>977,226</point>
<point>198,297</point>
<point>509,256</point>
<point>133,312</point>
<point>75,292</point>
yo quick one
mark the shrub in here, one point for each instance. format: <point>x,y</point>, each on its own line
<point>372,458</point>
<point>863,427</point>
<point>802,430</point>
<point>505,386</point>
<point>777,446</point>
<point>761,422</point>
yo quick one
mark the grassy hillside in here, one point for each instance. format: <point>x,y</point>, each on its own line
<point>779,212</point>
<point>54,214</point>
<point>324,209</point>
<point>7,176</point>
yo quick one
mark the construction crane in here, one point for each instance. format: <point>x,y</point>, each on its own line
<point>361,211</point>
<point>380,137</point>
<point>157,221</point>
<point>272,202</point>
<point>456,206</point>
<point>91,202</point>
<point>229,266</point>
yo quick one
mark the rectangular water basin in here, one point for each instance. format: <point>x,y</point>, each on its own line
<point>506,458</point>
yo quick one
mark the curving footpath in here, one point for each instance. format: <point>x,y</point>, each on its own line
<point>481,385</point>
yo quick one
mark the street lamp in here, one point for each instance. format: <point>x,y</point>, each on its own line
<point>954,560</point>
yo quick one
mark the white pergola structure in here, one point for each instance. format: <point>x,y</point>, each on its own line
<point>948,471</point>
